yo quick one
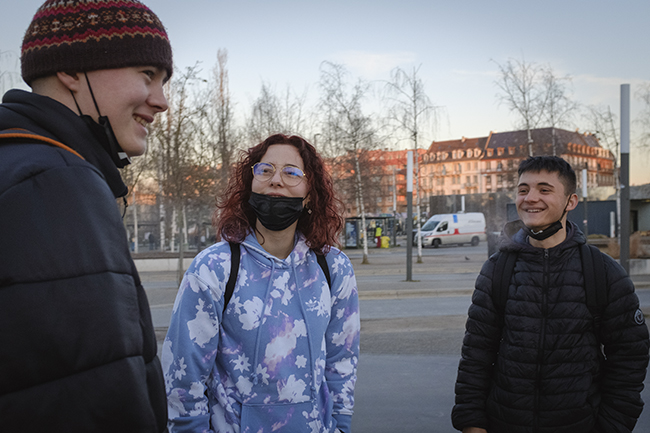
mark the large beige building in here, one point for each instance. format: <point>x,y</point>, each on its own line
<point>478,165</point>
<point>489,164</point>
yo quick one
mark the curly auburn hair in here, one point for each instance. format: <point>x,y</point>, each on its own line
<point>234,218</point>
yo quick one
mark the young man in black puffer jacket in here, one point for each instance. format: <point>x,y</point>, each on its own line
<point>538,366</point>
<point>77,345</point>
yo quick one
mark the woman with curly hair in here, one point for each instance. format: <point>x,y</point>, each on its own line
<point>277,347</point>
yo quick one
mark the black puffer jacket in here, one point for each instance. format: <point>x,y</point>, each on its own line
<point>542,371</point>
<point>77,347</point>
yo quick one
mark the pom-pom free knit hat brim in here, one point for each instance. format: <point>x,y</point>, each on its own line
<point>89,35</point>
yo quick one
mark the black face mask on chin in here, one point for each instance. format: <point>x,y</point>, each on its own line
<point>103,132</point>
<point>276,213</point>
<point>549,231</point>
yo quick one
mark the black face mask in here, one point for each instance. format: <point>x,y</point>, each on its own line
<point>276,213</point>
<point>103,132</point>
<point>546,233</point>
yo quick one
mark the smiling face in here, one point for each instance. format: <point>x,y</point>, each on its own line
<point>541,199</point>
<point>130,98</point>
<point>281,155</point>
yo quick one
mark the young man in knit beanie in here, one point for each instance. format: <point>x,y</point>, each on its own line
<point>77,345</point>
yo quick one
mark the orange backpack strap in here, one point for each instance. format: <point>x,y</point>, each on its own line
<point>27,136</point>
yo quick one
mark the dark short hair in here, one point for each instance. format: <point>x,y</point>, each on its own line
<point>234,217</point>
<point>552,164</point>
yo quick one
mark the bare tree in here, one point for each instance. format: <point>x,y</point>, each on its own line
<point>601,122</point>
<point>348,127</point>
<point>9,65</point>
<point>411,110</point>
<point>131,175</point>
<point>537,95</point>
<point>643,94</point>
<point>559,107</point>
<point>272,114</point>
<point>522,91</point>
<point>176,155</point>
<point>219,135</point>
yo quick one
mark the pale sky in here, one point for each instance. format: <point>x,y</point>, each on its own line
<point>601,44</point>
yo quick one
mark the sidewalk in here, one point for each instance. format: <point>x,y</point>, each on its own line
<point>449,273</point>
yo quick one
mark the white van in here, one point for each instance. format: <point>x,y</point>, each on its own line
<point>453,228</point>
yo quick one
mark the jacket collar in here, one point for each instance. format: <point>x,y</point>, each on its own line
<point>296,257</point>
<point>48,117</point>
<point>514,238</point>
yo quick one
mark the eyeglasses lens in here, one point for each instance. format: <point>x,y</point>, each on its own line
<point>292,176</point>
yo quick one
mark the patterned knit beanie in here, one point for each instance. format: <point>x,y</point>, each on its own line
<point>89,35</point>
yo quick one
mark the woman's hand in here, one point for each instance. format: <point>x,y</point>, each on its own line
<point>474,430</point>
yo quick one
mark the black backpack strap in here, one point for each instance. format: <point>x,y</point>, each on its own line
<point>235,252</point>
<point>234,271</point>
<point>322,261</point>
<point>593,271</point>
<point>501,277</point>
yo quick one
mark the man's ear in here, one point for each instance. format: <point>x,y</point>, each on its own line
<point>70,80</point>
<point>572,203</point>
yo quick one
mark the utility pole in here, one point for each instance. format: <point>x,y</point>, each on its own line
<point>585,222</point>
<point>409,215</point>
<point>395,206</point>
<point>625,178</point>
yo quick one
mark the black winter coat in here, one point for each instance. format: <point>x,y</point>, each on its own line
<point>77,345</point>
<point>543,370</point>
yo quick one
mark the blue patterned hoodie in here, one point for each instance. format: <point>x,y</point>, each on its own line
<point>283,357</point>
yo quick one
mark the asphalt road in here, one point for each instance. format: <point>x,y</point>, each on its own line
<point>411,334</point>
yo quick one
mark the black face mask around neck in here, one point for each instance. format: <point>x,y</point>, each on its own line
<point>276,213</point>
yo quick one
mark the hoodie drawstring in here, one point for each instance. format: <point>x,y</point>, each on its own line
<point>269,286</point>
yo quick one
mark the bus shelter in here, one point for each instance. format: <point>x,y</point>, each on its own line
<point>354,233</point>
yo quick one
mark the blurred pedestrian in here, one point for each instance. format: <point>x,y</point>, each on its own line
<point>77,345</point>
<point>282,353</point>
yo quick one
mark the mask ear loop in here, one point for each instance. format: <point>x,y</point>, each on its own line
<point>92,95</point>
<point>76,103</point>
<point>565,206</point>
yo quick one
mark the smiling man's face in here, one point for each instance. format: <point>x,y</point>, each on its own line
<point>541,199</point>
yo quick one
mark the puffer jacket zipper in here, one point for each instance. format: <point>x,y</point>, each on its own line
<point>542,337</point>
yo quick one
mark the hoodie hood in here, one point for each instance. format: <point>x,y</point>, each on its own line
<point>48,117</point>
<point>514,238</point>
<point>297,256</point>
